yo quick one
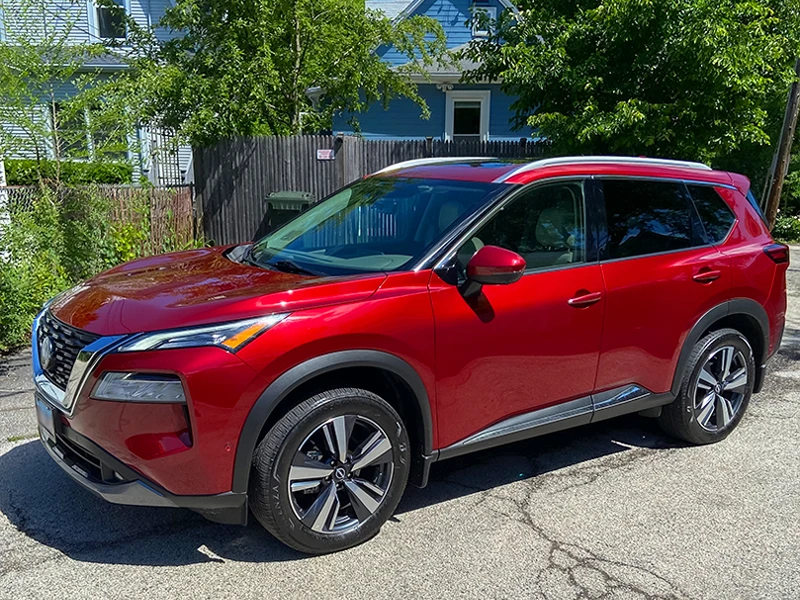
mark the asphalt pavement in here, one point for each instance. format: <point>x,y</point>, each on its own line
<point>613,510</point>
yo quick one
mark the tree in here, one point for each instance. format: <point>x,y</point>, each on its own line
<point>54,105</point>
<point>243,67</point>
<point>691,79</point>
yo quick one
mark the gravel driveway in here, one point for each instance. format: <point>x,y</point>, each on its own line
<point>612,510</point>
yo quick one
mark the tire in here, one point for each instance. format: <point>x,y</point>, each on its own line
<point>711,404</point>
<point>302,491</point>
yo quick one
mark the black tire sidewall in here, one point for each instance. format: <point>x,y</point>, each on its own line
<point>322,408</point>
<point>707,346</point>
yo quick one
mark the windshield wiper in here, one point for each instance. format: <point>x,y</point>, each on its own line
<point>288,266</point>
<point>247,257</point>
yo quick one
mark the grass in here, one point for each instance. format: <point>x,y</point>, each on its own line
<point>19,438</point>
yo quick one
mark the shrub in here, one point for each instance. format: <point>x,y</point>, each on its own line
<point>62,237</point>
<point>31,270</point>
<point>787,228</point>
<point>31,172</point>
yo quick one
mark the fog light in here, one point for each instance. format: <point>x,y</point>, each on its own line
<point>139,387</point>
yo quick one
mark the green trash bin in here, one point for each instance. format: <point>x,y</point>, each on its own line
<point>281,207</point>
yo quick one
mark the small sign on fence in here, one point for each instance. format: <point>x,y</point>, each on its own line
<point>325,154</point>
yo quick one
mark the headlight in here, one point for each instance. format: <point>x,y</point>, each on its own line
<point>230,336</point>
<point>139,387</point>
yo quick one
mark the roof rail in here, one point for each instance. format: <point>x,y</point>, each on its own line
<point>421,162</point>
<point>630,160</point>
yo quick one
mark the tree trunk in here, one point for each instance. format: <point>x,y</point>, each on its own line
<point>780,164</point>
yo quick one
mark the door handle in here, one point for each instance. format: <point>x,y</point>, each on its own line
<point>707,275</point>
<point>585,299</point>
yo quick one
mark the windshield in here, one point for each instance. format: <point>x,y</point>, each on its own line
<point>377,224</point>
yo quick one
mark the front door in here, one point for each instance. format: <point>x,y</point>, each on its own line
<point>528,345</point>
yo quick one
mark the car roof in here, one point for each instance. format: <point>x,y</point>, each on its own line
<point>482,169</point>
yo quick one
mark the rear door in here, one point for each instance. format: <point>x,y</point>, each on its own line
<point>531,344</point>
<point>661,275</point>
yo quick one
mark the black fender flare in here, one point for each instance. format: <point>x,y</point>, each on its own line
<point>737,306</point>
<point>272,396</point>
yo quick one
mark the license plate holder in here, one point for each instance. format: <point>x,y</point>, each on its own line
<point>47,421</point>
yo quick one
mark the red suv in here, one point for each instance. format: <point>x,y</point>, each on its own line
<point>435,308</point>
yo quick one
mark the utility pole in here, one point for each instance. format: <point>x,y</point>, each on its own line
<point>780,164</point>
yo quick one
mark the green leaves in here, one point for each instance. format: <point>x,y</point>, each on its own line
<point>243,67</point>
<point>53,102</point>
<point>53,238</point>
<point>31,172</point>
<point>691,79</point>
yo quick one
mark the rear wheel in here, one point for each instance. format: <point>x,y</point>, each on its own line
<point>330,473</point>
<point>715,391</point>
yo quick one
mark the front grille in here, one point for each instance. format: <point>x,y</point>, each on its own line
<point>67,342</point>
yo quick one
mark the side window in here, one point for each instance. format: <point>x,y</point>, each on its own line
<point>646,217</point>
<point>545,225</point>
<point>715,215</point>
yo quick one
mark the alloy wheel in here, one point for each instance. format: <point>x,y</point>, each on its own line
<point>721,388</point>
<point>340,474</point>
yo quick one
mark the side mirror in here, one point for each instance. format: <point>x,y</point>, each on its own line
<point>492,265</point>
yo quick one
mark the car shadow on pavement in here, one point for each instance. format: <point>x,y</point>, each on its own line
<point>42,502</point>
<point>540,458</point>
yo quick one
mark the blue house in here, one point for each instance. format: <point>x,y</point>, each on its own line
<point>151,152</point>
<point>458,111</point>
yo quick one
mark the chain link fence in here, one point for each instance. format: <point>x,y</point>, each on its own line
<point>169,209</point>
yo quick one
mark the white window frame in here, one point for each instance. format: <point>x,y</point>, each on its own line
<point>482,96</point>
<point>489,10</point>
<point>94,28</point>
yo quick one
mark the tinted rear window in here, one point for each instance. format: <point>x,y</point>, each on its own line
<point>751,198</point>
<point>716,216</point>
<point>646,217</point>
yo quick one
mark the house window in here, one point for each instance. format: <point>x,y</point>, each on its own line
<point>109,22</point>
<point>482,27</point>
<point>81,134</point>
<point>467,115</point>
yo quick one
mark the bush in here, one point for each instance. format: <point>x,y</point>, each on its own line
<point>787,228</point>
<point>31,172</point>
<point>59,239</point>
<point>30,267</point>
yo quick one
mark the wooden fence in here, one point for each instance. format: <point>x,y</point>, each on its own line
<point>234,177</point>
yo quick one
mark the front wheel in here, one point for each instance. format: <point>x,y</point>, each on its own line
<point>715,390</point>
<point>330,473</point>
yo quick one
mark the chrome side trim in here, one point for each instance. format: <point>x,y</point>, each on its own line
<point>599,160</point>
<point>87,360</point>
<point>568,410</point>
<point>520,427</point>
<point>615,396</point>
<point>590,409</point>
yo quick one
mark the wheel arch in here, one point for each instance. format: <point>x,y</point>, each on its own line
<point>279,397</point>
<point>743,314</point>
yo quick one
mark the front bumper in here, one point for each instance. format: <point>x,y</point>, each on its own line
<point>102,474</point>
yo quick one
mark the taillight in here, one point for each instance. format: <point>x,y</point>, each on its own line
<point>779,253</point>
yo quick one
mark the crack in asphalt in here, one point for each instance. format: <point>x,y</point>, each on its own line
<point>588,574</point>
<point>11,393</point>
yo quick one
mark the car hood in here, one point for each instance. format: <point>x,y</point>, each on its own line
<point>194,288</point>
